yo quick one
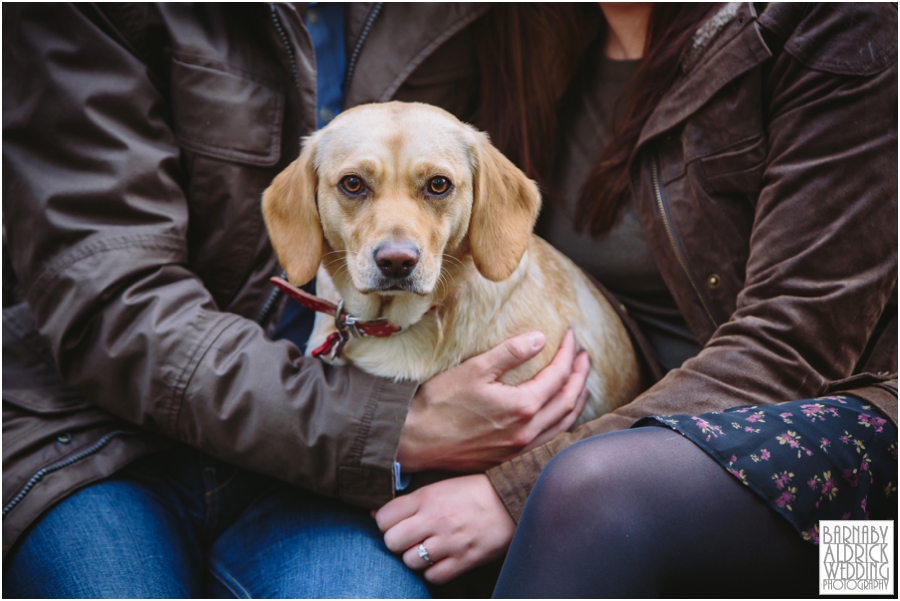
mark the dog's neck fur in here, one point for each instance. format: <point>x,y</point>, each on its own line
<point>459,289</point>
<point>458,275</point>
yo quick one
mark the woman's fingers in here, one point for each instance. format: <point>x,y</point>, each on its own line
<point>407,534</point>
<point>461,522</point>
<point>433,549</point>
<point>445,564</point>
<point>568,403</point>
<point>569,419</point>
<point>464,419</point>
<point>573,395</point>
<point>395,511</point>
<point>510,354</point>
<point>446,570</point>
<point>552,378</point>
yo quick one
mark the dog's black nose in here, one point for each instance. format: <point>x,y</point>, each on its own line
<point>396,260</point>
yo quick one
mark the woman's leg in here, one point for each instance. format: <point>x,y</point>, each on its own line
<point>114,539</point>
<point>645,513</point>
<point>292,543</point>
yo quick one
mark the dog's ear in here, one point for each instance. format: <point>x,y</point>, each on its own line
<point>504,208</point>
<point>292,217</point>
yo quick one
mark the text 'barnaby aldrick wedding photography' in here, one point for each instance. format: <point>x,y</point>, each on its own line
<point>856,557</point>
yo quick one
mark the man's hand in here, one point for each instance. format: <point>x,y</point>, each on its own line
<point>466,420</point>
<point>461,522</point>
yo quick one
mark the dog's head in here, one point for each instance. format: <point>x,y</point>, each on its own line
<point>391,191</point>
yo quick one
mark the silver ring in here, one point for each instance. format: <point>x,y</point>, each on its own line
<point>423,553</point>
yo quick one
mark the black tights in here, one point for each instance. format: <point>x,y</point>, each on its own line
<point>646,513</point>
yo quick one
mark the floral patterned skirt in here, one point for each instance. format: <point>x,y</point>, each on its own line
<point>829,458</point>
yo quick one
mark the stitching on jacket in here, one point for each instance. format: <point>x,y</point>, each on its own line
<point>359,443</point>
<point>799,46</point>
<point>836,67</point>
<point>92,247</point>
<point>195,358</point>
<point>426,52</point>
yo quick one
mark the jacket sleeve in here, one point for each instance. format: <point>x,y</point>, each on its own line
<point>97,223</point>
<point>821,268</point>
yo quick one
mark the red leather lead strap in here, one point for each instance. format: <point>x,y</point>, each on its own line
<point>347,325</point>
<point>319,305</point>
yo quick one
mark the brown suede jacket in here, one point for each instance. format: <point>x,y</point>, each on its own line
<point>766,183</point>
<point>138,140</point>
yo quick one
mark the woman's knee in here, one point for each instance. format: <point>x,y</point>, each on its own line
<point>623,481</point>
<point>598,480</point>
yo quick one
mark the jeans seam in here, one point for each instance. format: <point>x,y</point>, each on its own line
<point>225,577</point>
<point>209,501</point>
<point>223,484</point>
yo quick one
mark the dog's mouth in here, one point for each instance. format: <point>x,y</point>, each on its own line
<point>395,287</point>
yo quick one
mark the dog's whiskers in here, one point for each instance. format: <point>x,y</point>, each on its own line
<point>335,252</point>
<point>444,271</point>
<point>340,269</point>
<point>452,258</point>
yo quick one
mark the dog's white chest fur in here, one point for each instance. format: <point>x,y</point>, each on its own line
<point>481,314</point>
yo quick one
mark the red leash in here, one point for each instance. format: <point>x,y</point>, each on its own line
<point>347,325</point>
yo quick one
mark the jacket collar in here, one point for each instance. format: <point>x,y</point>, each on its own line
<point>725,47</point>
<point>404,37</point>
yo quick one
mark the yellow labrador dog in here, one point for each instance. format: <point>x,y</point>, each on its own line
<point>423,230</point>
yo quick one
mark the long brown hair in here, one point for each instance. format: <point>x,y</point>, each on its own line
<point>528,55</point>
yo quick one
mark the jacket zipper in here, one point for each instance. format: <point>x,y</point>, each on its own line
<point>363,34</point>
<point>287,45</point>
<point>275,294</point>
<point>657,190</point>
<point>267,307</point>
<point>58,466</point>
<point>887,387</point>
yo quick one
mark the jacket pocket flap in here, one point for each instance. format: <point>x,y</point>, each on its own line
<point>47,400</point>
<point>226,115</point>
<point>858,381</point>
<point>739,168</point>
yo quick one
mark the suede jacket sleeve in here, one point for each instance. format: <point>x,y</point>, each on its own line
<point>822,260</point>
<point>97,221</point>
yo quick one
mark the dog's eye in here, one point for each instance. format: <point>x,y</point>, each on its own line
<point>438,185</point>
<point>352,184</point>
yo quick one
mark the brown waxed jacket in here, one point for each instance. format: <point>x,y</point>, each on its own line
<point>131,205</point>
<point>138,140</point>
<point>766,183</point>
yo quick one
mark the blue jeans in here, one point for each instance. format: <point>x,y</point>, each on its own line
<point>181,524</point>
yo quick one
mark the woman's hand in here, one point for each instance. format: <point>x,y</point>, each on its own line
<point>461,522</point>
<point>466,420</point>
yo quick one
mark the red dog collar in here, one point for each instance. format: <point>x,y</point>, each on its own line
<point>347,325</point>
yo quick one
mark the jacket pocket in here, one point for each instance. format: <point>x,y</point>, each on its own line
<point>226,114</point>
<point>736,170</point>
